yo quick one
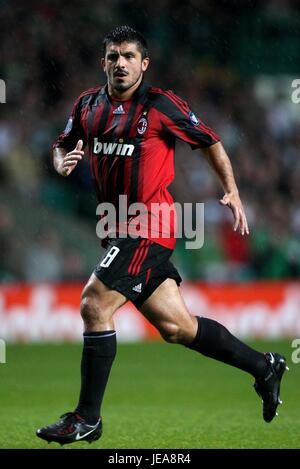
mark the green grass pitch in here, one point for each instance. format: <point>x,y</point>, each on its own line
<point>159,396</point>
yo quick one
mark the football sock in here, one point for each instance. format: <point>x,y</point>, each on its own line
<point>215,341</point>
<point>99,351</point>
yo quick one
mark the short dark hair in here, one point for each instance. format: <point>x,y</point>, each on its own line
<point>128,34</point>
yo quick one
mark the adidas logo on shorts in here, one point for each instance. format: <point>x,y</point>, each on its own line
<point>138,288</point>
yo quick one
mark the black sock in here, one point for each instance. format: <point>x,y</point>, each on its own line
<point>99,351</point>
<point>215,341</point>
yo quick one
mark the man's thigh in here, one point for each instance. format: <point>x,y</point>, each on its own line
<point>106,297</point>
<point>166,306</point>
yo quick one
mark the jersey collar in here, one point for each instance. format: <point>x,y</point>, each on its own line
<point>142,89</point>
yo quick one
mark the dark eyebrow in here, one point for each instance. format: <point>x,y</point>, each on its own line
<point>113,53</point>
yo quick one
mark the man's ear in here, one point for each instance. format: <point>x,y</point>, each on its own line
<point>102,61</point>
<point>145,63</point>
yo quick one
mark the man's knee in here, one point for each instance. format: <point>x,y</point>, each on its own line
<point>93,308</point>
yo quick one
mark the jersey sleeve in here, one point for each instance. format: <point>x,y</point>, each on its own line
<point>73,130</point>
<point>178,119</point>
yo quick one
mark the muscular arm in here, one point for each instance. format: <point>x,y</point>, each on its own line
<point>64,162</point>
<point>220,162</point>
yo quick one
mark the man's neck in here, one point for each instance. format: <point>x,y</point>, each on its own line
<point>123,95</point>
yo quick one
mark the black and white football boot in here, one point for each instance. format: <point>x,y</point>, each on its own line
<point>71,428</point>
<point>268,388</point>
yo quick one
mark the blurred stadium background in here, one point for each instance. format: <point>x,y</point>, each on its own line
<point>234,62</point>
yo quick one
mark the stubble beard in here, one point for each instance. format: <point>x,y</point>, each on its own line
<point>125,86</point>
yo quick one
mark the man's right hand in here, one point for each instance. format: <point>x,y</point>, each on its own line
<point>70,160</point>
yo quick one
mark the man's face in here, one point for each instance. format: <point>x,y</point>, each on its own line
<point>123,65</point>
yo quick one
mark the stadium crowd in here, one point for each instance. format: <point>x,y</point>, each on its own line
<point>50,53</point>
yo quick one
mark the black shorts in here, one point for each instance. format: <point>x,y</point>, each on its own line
<point>135,267</point>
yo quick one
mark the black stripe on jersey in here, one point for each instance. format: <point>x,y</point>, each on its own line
<point>90,123</point>
<point>168,108</point>
<point>112,161</point>
<point>101,159</point>
<point>180,103</point>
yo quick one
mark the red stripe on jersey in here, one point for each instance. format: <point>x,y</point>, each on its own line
<point>93,158</point>
<point>109,122</point>
<point>142,165</point>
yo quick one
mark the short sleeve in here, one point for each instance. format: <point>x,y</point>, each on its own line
<point>179,120</point>
<point>73,130</point>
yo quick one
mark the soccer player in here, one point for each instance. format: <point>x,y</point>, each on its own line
<point>130,130</point>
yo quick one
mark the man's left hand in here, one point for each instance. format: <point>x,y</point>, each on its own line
<point>233,201</point>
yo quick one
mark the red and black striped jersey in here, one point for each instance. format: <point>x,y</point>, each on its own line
<point>131,146</point>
